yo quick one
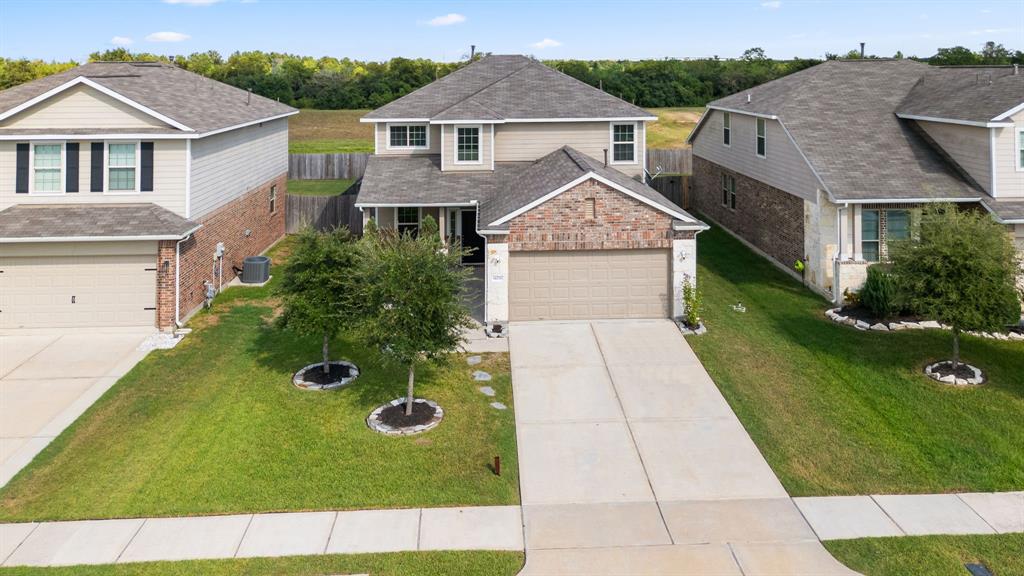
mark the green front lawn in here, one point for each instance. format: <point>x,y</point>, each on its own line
<point>1003,554</point>
<point>214,426</point>
<point>319,187</point>
<point>839,411</point>
<point>398,564</point>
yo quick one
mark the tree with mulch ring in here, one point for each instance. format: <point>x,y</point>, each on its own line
<point>414,310</point>
<point>319,290</point>
<point>959,267</point>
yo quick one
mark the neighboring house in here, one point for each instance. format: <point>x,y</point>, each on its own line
<point>128,188</point>
<point>831,163</point>
<point>541,176</point>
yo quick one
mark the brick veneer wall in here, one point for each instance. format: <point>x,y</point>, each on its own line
<point>768,218</point>
<point>618,222</point>
<point>228,225</point>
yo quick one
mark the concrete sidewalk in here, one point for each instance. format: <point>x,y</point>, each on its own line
<point>251,535</point>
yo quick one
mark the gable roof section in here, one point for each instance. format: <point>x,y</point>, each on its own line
<point>186,101</point>
<point>968,94</point>
<point>840,115</point>
<point>85,222</point>
<point>507,88</point>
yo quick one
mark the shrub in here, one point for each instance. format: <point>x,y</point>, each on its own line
<point>880,293</point>
<point>691,303</point>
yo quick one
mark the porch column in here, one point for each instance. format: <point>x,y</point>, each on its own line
<point>858,231</point>
<point>442,222</point>
<point>496,281</point>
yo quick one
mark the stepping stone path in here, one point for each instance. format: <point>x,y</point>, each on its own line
<point>473,360</point>
<point>487,390</point>
<point>481,376</point>
<point>498,406</point>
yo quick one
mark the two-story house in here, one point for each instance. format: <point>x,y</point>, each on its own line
<point>828,165</point>
<point>128,191</point>
<point>542,177</point>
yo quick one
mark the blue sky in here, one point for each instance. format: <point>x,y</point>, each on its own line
<point>559,29</point>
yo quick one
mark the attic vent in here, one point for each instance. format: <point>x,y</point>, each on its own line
<point>748,98</point>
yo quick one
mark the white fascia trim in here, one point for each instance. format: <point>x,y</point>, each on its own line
<point>491,232</point>
<point>905,200</point>
<point>1010,112</point>
<point>107,136</point>
<point>954,121</point>
<point>999,219</point>
<point>580,180</point>
<point>607,119</point>
<point>115,95</point>
<point>695,226</point>
<point>700,122</point>
<point>435,122</point>
<point>362,205</point>
<point>745,112</point>
<point>28,240</point>
<point>392,120</point>
<point>247,124</point>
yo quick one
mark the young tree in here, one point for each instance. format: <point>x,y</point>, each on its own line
<point>413,297</point>
<point>961,269</point>
<point>319,286</point>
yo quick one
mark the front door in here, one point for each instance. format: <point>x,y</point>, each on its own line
<point>470,239</point>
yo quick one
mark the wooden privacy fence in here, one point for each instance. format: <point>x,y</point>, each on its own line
<point>671,160</point>
<point>327,166</point>
<point>323,213</point>
<point>675,187</point>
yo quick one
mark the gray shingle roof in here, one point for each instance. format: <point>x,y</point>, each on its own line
<point>1007,210</point>
<point>842,116</point>
<point>971,93</point>
<point>198,102</point>
<point>91,220</point>
<point>507,87</point>
<point>418,180</point>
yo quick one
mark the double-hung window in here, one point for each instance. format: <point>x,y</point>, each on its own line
<point>47,167</point>
<point>122,167</point>
<point>729,191</point>
<point>407,220</point>
<point>467,145</point>
<point>726,128</point>
<point>871,235</point>
<point>1020,150</point>
<point>273,198</point>
<point>624,143</point>
<point>762,137</point>
<point>407,136</point>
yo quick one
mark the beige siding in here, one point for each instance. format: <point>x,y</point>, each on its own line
<point>783,167</point>
<point>1009,178</point>
<point>968,146</point>
<point>381,133</point>
<point>168,179</point>
<point>521,142</point>
<point>82,107</point>
<point>228,165</point>
<point>448,149</point>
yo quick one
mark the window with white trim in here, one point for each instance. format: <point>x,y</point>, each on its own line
<point>122,166</point>
<point>871,235</point>
<point>1020,149</point>
<point>762,137</point>
<point>624,143</point>
<point>467,145</point>
<point>726,128</point>
<point>47,167</point>
<point>729,191</point>
<point>407,220</point>
<point>273,198</point>
<point>407,136</point>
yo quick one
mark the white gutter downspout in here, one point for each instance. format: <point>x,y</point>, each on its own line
<point>177,281</point>
<point>837,291</point>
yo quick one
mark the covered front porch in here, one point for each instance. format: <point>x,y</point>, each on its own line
<point>455,223</point>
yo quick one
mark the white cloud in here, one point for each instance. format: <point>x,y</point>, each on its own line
<point>167,37</point>
<point>990,31</point>
<point>121,41</point>
<point>772,4</point>
<point>447,20</point>
<point>546,43</point>
<point>192,2</point>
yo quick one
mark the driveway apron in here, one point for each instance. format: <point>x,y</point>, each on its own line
<point>632,462</point>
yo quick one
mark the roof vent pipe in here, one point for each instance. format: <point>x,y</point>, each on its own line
<point>862,50</point>
<point>748,97</point>
<point>248,96</point>
<point>605,157</point>
<point>1016,69</point>
<point>472,51</point>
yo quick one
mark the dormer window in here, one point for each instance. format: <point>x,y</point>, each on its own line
<point>408,136</point>
<point>726,128</point>
<point>624,143</point>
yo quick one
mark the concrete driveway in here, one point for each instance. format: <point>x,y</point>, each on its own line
<point>48,378</point>
<point>631,461</point>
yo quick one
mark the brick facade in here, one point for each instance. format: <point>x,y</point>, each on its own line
<point>227,224</point>
<point>591,216</point>
<point>768,218</point>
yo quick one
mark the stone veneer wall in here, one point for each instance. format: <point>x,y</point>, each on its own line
<point>227,224</point>
<point>768,218</point>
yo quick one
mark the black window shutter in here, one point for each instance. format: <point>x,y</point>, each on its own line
<point>96,167</point>
<point>146,180</point>
<point>21,170</point>
<point>71,173</point>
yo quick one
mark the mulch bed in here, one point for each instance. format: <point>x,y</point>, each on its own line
<point>946,368</point>
<point>862,313</point>
<point>395,417</point>
<point>317,376</point>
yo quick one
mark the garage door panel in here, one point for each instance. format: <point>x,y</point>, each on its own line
<point>589,284</point>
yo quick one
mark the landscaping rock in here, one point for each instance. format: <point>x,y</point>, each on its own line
<point>498,406</point>
<point>948,379</point>
<point>880,327</point>
<point>862,325</point>
<point>487,390</point>
<point>912,325</point>
<point>473,360</point>
<point>930,324</point>
<point>897,326</point>
<point>481,376</point>
<point>1016,336</point>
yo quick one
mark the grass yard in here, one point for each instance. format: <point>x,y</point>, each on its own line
<point>839,411</point>
<point>396,564</point>
<point>214,426</point>
<point>319,187</point>
<point>673,126</point>
<point>329,131</point>
<point>1003,554</point>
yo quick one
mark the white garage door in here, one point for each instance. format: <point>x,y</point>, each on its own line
<point>72,291</point>
<point>589,284</point>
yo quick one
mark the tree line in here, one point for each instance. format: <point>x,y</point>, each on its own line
<point>342,83</point>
